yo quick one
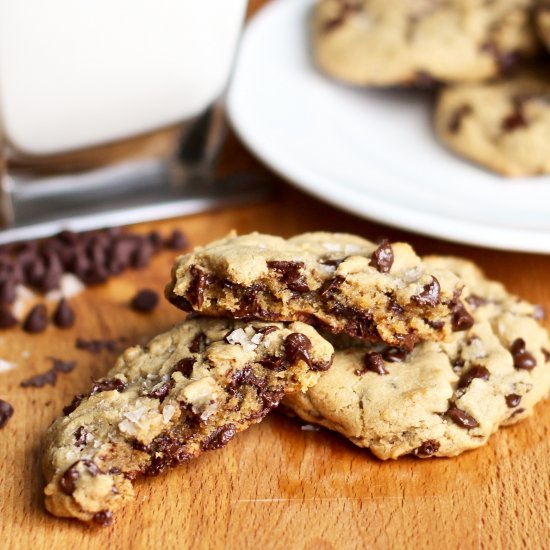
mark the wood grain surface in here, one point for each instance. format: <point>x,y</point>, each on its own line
<point>274,486</point>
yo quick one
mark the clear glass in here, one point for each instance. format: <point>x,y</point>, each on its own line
<point>84,89</point>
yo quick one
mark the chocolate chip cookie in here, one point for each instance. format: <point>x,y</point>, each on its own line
<point>189,390</point>
<point>338,282</point>
<point>391,42</point>
<point>442,398</point>
<point>503,125</point>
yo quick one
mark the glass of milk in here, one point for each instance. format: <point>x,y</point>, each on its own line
<point>76,74</point>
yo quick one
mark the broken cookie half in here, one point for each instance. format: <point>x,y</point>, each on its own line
<point>341,283</point>
<point>189,390</point>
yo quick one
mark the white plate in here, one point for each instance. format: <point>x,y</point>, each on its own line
<point>371,152</point>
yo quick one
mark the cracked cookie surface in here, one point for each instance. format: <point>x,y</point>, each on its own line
<point>189,390</point>
<point>391,42</point>
<point>442,398</point>
<point>339,282</point>
<point>503,125</point>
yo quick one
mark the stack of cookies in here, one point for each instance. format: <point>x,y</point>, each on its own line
<point>401,354</point>
<point>488,61</point>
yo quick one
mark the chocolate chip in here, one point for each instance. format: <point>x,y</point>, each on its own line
<point>145,301</point>
<point>430,295</point>
<point>37,319</point>
<point>246,377</point>
<point>108,384</point>
<point>382,257</point>
<point>546,354</point>
<point>176,241</point>
<point>220,437</point>
<point>64,315</point>
<point>506,62</point>
<point>264,331</point>
<point>522,358</point>
<point>394,355</point>
<point>60,365</point>
<point>68,481</point>
<point>185,366</point>
<point>7,320</point>
<point>103,518</point>
<point>179,301</point>
<point>161,391</point>
<point>455,122</point>
<point>331,286</point>
<point>374,362</point>
<point>77,399</point>
<point>7,291</point>
<point>290,274</point>
<point>142,255</point>
<point>297,347</point>
<point>461,418</point>
<point>424,81</point>
<point>198,345</point>
<point>274,363</point>
<point>428,448</point>
<point>513,400</point>
<point>6,412</point>
<point>475,372</point>
<point>514,121</point>
<point>81,436</point>
<point>460,319</point>
<point>97,346</point>
<point>195,293</point>
<point>475,301</point>
<point>40,380</point>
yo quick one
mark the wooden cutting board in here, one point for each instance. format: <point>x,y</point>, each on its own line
<point>274,486</point>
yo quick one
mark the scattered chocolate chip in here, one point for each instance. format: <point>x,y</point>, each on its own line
<point>461,319</point>
<point>461,418</point>
<point>430,295</point>
<point>97,346</point>
<point>522,358</point>
<point>374,362</point>
<point>40,380</point>
<point>104,518</point>
<point>455,122</point>
<point>60,365</point>
<point>428,448</point>
<point>176,241</point>
<point>7,320</point>
<point>161,391</point>
<point>297,346</point>
<point>37,319</point>
<point>77,399</point>
<point>108,384</point>
<point>332,262</point>
<point>6,412</point>
<point>290,274</point>
<point>185,366</point>
<point>516,412</point>
<point>220,437</point>
<point>246,377</point>
<point>145,301</point>
<point>475,372</point>
<point>69,479</point>
<point>382,257</point>
<point>394,355</point>
<point>198,345</point>
<point>513,400</point>
<point>64,315</point>
<point>274,363</point>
